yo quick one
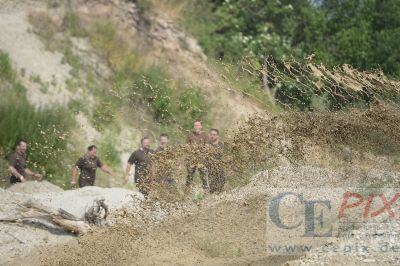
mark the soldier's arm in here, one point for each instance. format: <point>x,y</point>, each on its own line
<point>31,173</point>
<point>107,170</point>
<point>14,172</point>
<point>127,171</point>
<point>74,174</point>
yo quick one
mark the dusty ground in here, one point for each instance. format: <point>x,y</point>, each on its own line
<point>225,229</point>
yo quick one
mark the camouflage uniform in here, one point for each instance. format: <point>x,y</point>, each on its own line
<point>194,164</point>
<point>216,173</point>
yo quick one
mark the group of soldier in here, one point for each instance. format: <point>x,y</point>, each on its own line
<point>87,165</point>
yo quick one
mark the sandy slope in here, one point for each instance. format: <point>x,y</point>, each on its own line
<point>27,52</point>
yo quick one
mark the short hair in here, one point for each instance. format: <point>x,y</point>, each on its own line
<point>145,137</point>
<point>19,142</point>
<point>91,147</point>
<point>197,120</point>
<point>214,129</point>
<point>164,135</point>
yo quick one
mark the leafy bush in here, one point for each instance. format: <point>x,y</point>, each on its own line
<point>108,153</point>
<point>179,105</point>
<point>192,106</point>
<point>103,113</point>
<point>364,34</point>
<point>153,88</point>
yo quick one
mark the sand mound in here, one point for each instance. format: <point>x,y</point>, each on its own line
<point>34,187</point>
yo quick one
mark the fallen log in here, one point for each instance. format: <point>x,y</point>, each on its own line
<point>62,218</point>
<point>96,214</point>
<point>76,227</point>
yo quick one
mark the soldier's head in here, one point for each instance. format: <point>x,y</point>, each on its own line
<point>214,135</point>
<point>92,151</point>
<point>145,142</point>
<point>197,127</point>
<point>164,138</point>
<point>21,146</point>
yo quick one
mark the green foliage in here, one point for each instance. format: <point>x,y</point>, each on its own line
<point>6,71</point>
<point>192,106</point>
<point>73,24</point>
<point>103,113</point>
<point>154,89</point>
<point>77,106</point>
<point>73,60</point>
<point>362,33</point>
<point>108,153</point>
<point>144,6</point>
<point>168,104</point>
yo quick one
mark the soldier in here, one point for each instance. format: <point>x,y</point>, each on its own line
<point>88,165</point>
<point>216,173</point>
<point>164,139</point>
<point>197,138</point>
<point>141,158</point>
<point>17,165</point>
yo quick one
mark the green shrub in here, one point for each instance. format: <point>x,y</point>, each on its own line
<point>103,114</point>
<point>108,153</point>
<point>73,25</point>
<point>6,71</point>
<point>154,89</point>
<point>74,61</point>
<point>144,6</point>
<point>180,105</point>
<point>192,106</point>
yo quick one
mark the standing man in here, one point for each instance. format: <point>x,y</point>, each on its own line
<point>141,159</point>
<point>197,138</point>
<point>164,169</point>
<point>88,165</point>
<point>17,165</point>
<point>164,139</point>
<point>216,173</point>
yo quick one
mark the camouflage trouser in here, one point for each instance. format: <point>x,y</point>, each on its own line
<point>140,179</point>
<point>86,181</point>
<point>191,169</point>
<point>216,178</point>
